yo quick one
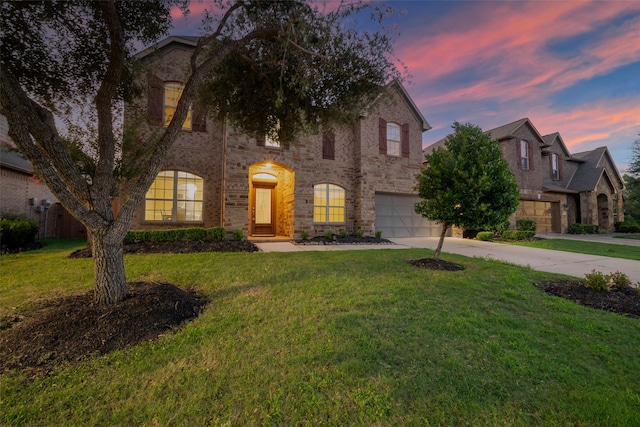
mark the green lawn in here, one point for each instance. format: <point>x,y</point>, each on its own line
<point>584,247</point>
<point>628,236</point>
<point>339,339</point>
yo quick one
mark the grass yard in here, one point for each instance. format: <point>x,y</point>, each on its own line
<point>628,236</point>
<point>583,247</point>
<point>336,339</point>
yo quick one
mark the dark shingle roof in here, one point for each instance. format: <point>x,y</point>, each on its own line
<point>589,172</point>
<point>12,159</point>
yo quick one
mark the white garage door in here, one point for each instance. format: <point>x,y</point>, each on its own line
<point>396,217</point>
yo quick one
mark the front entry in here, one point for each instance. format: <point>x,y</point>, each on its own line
<point>263,211</point>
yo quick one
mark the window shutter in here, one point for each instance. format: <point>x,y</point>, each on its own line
<point>260,141</point>
<point>530,156</point>
<point>328,145</point>
<point>559,167</point>
<point>404,140</point>
<point>199,119</point>
<point>382,144</point>
<point>155,100</point>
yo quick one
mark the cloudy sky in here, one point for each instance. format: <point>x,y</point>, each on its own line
<point>569,66</point>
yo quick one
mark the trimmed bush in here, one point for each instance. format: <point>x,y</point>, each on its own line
<point>526,225</point>
<point>583,229</point>
<point>485,236</point>
<point>140,236</point>
<point>525,234</point>
<point>238,235</point>
<point>628,228</point>
<point>304,235</point>
<point>17,232</point>
<point>509,235</point>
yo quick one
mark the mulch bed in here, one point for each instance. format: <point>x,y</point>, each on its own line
<point>436,264</point>
<point>73,328</point>
<point>620,299</point>
<point>350,239</point>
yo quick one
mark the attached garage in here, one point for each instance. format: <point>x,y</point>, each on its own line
<point>396,217</point>
<point>545,214</point>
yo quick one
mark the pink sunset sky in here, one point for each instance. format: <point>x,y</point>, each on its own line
<point>571,67</point>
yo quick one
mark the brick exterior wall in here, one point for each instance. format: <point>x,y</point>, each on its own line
<point>227,160</point>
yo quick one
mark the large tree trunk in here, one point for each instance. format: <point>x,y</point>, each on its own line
<point>445,227</point>
<point>108,260</point>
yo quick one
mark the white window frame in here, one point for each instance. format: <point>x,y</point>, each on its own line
<point>326,206</point>
<point>394,139</point>
<point>182,203</point>
<point>555,166</point>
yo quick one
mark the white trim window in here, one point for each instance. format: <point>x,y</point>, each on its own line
<point>393,139</point>
<point>328,204</point>
<point>175,196</point>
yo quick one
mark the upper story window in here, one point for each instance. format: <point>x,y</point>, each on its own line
<point>175,196</point>
<point>271,141</point>
<point>393,138</point>
<point>524,155</point>
<point>328,204</point>
<point>172,94</point>
<point>163,100</point>
<point>555,167</point>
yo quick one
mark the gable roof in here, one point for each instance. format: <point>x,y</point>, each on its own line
<point>508,131</point>
<point>592,168</point>
<point>396,84</point>
<point>166,45</point>
<point>554,138</point>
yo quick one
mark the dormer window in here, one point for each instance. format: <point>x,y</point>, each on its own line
<point>524,155</point>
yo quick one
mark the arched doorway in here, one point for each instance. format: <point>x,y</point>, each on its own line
<point>603,211</point>
<point>271,200</point>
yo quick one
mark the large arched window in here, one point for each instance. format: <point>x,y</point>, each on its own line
<point>328,204</point>
<point>174,196</point>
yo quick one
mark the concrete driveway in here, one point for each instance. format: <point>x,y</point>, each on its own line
<point>568,263</point>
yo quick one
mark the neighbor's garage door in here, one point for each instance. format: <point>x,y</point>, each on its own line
<point>396,217</point>
<point>545,214</point>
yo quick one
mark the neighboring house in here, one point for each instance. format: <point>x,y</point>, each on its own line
<point>557,188</point>
<point>22,193</point>
<point>358,177</point>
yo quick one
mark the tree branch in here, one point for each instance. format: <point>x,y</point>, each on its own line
<point>102,180</point>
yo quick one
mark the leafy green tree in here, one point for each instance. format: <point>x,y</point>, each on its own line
<point>466,183</point>
<point>632,184</point>
<point>72,63</point>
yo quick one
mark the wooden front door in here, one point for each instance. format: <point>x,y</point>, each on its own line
<point>263,211</point>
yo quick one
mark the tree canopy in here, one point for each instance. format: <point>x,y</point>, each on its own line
<point>466,183</point>
<point>72,62</point>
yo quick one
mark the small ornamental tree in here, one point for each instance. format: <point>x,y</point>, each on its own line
<point>467,184</point>
<point>632,184</point>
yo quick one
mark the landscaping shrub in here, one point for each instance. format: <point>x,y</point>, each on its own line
<point>619,279</point>
<point>328,235</point>
<point>509,235</point>
<point>378,234</point>
<point>343,234</point>
<point>304,235</point>
<point>525,234</point>
<point>485,236</point>
<point>576,228</point>
<point>141,236</point>
<point>17,232</point>
<point>526,225</point>
<point>628,228</point>
<point>597,280</point>
<point>359,233</point>
<point>238,235</point>
<point>217,233</point>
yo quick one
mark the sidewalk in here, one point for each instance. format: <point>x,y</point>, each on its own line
<point>568,263</point>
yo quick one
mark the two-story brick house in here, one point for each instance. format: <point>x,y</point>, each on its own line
<point>353,177</point>
<point>558,188</point>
